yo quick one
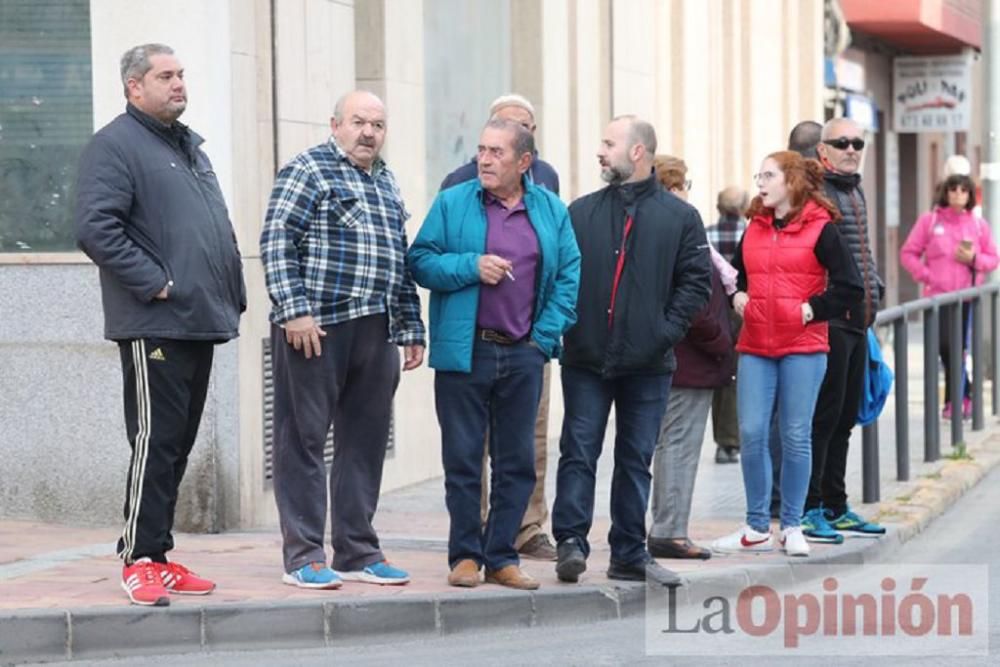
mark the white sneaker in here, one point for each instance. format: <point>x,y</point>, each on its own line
<point>744,540</point>
<point>794,542</point>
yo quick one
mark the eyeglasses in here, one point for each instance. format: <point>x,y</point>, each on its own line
<point>687,185</point>
<point>841,144</point>
<point>764,177</point>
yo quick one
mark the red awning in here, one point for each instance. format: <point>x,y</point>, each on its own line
<point>919,26</point>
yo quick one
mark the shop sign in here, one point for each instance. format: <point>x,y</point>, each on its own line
<point>932,93</point>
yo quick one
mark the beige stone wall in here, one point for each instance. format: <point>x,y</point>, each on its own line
<point>722,80</point>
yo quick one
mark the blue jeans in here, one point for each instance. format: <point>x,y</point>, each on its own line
<point>790,384</point>
<point>503,391</point>
<point>640,401</point>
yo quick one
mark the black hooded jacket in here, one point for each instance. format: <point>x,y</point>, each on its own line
<point>665,279</point>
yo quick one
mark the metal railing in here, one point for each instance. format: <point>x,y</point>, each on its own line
<point>931,310</point>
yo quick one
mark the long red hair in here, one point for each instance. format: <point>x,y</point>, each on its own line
<point>804,180</point>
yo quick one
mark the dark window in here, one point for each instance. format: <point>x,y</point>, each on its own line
<point>46,117</point>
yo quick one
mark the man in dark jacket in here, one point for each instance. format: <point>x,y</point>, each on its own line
<point>826,508</point>
<point>645,273</point>
<point>150,213</point>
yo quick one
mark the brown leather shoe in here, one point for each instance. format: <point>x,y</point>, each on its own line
<point>681,547</point>
<point>538,548</point>
<point>511,577</point>
<point>465,574</point>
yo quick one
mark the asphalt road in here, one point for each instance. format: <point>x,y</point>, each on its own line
<point>966,534</point>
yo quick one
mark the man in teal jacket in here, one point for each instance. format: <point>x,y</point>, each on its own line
<point>503,267</point>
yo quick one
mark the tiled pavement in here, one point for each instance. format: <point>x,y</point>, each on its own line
<point>48,566</point>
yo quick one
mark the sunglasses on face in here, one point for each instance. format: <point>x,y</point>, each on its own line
<point>841,144</point>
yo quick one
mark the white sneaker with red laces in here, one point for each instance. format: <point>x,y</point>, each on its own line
<point>143,583</point>
<point>744,540</point>
<point>179,579</point>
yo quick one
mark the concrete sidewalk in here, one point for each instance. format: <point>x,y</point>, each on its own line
<point>60,596</point>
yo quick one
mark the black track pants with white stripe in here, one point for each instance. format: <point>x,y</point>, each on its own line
<point>165,386</point>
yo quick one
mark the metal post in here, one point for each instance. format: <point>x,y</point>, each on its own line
<point>900,348</point>
<point>870,492</point>
<point>956,370</point>
<point>978,421</point>
<point>995,349</point>
<point>932,425</point>
<point>990,168</point>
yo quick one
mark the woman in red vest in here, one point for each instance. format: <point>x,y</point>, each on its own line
<point>796,272</point>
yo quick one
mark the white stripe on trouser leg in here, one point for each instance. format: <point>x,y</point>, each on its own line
<point>141,447</point>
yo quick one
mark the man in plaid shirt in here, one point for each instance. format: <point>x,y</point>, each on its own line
<point>725,235</point>
<point>334,252</point>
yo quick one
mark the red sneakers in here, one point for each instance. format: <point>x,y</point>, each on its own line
<point>179,579</point>
<point>143,583</point>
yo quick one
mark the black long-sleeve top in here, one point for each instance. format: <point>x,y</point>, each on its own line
<point>844,287</point>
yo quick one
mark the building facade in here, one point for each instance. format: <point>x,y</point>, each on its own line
<point>723,81</point>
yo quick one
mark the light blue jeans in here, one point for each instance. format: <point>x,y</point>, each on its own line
<point>792,384</point>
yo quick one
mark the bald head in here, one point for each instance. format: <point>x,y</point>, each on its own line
<point>804,137</point>
<point>359,126</point>
<point>837,127</point>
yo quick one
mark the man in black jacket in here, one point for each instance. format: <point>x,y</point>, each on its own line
<point>826,508</point>
<point>645,273</point>
<point>150,213</point>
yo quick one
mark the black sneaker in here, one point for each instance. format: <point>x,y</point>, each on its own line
<point>648,570</point>
<point>570,561</point>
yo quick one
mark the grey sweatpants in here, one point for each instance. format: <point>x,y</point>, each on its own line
<point>675,460</point>
<point>351,386</point>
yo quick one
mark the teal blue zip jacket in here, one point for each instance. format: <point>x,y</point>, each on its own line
<point>444,258</point>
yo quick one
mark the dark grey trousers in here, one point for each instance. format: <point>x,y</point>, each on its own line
<point>351,386</point>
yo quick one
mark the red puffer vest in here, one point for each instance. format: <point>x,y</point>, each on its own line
<point>782,273</point>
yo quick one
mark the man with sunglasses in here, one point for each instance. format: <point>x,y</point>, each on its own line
<point>826,509</point>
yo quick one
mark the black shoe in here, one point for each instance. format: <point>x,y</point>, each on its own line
<point>721,456</point>
<point>570,561</point>
<point>648,570</point>
<point>665,547</point>
<point>734,454</point>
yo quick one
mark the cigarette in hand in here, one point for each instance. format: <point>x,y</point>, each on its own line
<point>509,275</point>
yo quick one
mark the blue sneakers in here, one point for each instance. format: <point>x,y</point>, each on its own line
<point>817,529</point>
<point>378,573</point>
<point>851,522</point>
<point>312,575</point>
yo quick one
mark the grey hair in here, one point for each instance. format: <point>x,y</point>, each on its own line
<point>135,62</point>
<point>512,100</point>
<point>524,141</point>
<point>829,126</point>
<point>640,132</point>
<point>338,108</point>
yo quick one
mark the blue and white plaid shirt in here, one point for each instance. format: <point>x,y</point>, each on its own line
<point>334,245</point>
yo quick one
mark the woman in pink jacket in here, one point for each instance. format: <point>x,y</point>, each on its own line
<point>949,249</point>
